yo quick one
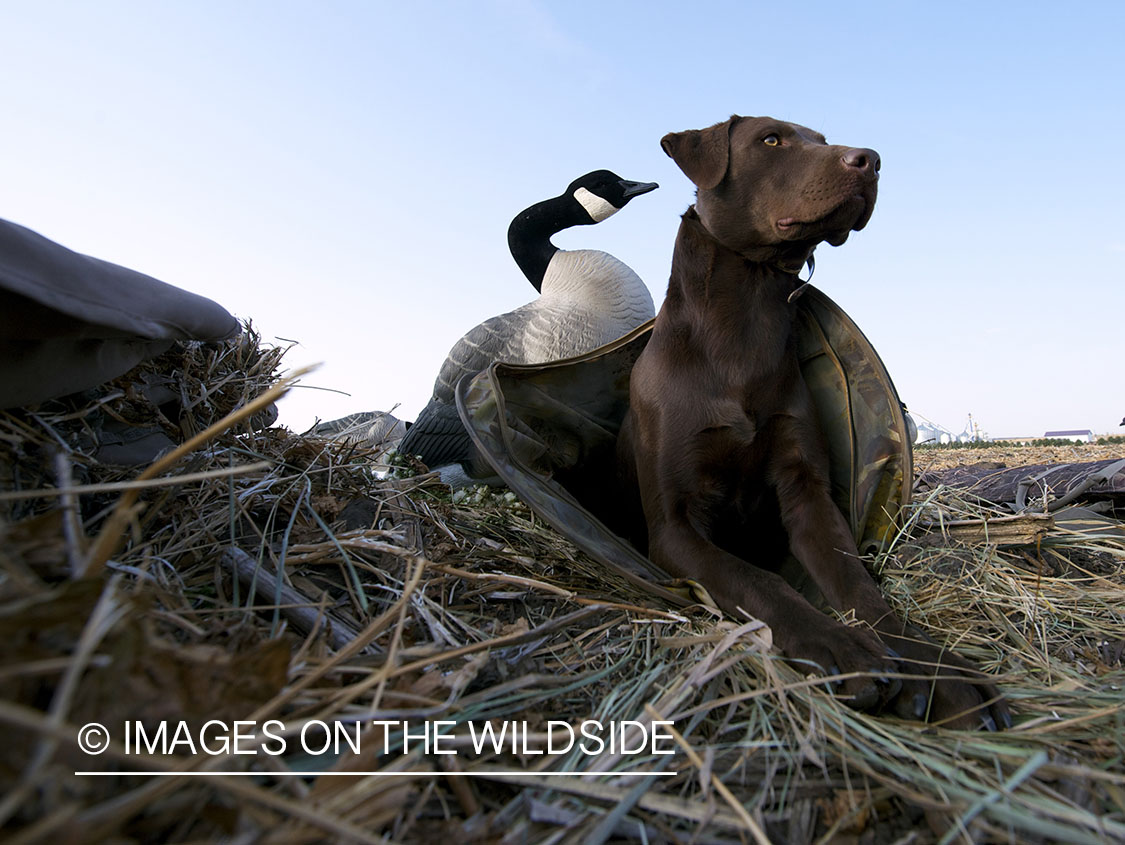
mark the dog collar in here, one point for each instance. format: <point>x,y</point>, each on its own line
<point>797,291</point>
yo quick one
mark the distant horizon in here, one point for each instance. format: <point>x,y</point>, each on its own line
<point>344,174</point>
<point>986,434</point>
<point>988,438</point>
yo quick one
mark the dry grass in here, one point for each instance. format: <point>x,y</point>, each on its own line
<point>394,603</point>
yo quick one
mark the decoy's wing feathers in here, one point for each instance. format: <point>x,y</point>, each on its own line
<point>493,340</point>
<point>437,436</point>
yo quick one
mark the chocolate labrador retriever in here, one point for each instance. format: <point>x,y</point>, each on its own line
<point>721,434</point>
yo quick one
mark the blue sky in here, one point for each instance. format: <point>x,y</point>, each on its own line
<point>344,173</point>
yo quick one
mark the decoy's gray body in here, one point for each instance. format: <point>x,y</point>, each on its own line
<point>587,299</point>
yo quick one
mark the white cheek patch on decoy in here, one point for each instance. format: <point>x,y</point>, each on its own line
<point>598,208</point>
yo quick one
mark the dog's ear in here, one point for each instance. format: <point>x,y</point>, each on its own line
<point>702,154</point>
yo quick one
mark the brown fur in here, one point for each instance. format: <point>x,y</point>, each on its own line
<point>721,435</point>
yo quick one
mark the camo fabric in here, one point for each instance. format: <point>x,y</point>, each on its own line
<point>860,415</point>
<point>550,430</point>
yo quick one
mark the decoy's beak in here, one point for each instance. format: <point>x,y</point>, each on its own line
<point>635,189</point>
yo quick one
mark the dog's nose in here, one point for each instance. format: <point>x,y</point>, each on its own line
<point>862,159</point>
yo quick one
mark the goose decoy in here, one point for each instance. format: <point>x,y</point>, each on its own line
<point>587,298</point>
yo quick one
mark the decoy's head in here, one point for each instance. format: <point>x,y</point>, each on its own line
<point>603,193</point>
<point>588,199</point>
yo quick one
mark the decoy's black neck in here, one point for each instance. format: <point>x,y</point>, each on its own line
<point>529,236</point>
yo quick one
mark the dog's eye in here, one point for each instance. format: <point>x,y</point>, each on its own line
<point>771,140</point>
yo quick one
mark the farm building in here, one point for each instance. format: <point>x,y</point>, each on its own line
<point>930,432</point>
<point>1083,436</point>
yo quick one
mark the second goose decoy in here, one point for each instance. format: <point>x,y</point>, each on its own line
<point>587,298</point>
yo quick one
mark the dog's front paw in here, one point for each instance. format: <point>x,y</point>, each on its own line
<point>945,689</point>
<point>867,670</point>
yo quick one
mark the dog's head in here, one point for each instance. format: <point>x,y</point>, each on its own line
<point>770,189</point>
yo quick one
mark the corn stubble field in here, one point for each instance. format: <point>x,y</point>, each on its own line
<point>142,604</point>
<point>1006,454</point>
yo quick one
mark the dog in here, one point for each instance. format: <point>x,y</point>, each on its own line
<point>721,436</point>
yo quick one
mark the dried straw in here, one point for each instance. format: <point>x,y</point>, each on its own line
<point>268,575</point>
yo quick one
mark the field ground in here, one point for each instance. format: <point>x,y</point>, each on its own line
<point>944,458</point>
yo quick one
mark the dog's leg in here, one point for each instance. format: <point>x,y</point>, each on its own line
<point>945,687</point>
<point>800,630</point>
<point>819,536</point>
